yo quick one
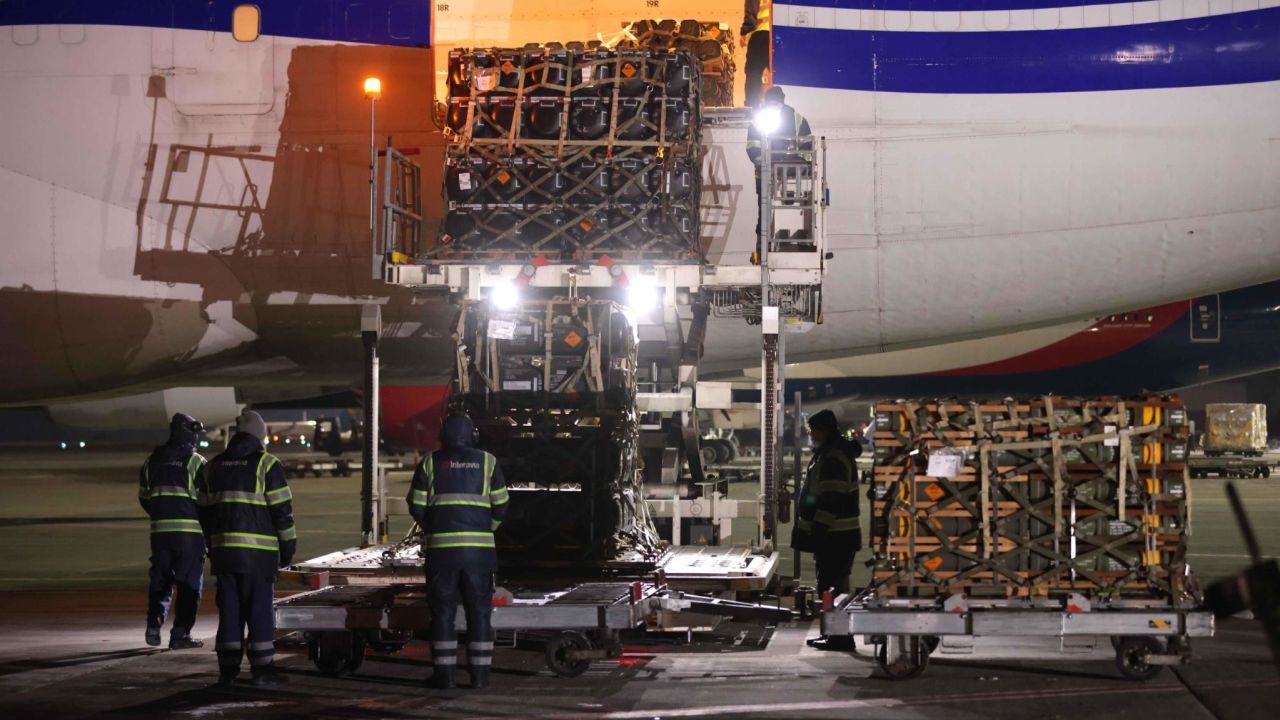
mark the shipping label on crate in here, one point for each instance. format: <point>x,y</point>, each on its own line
<point>502,329</point>
<point>1113,438</point>
<point>464,181</point>
<point>945,463</point>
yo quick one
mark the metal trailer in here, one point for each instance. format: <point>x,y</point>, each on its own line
<point>1229,466</point>
<point>584,620</point>
<point>905,632</point>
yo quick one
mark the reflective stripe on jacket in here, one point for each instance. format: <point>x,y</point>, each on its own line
<point>459,498</point>
<point>168,489</point>
<point>827,510</point>
<point>757,16</point>
<point>247,507</point>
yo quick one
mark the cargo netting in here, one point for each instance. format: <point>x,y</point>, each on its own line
<point>573,153</point>
<point>551,388</point>
<point>1031,498</point>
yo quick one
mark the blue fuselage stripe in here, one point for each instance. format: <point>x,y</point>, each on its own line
<point>379,22</point>
<point>1216,50</point>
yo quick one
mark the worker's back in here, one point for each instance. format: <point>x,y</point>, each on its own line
<point>167,491</point>
<point>459,499</point>
<point>245,491</point>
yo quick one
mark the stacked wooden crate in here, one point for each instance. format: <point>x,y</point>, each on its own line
<point>1031,498</point>
<point>573,153</point>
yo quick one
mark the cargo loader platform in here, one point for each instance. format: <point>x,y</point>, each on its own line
<point>692,568</point>
<point>905,632</point>
<point>583,620</point>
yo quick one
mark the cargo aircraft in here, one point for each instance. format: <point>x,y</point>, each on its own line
<point>184,185</point>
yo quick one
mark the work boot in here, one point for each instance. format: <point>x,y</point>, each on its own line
<point>153,636</point>
<point>184,643</point>
<point>840,643</point>
<point>441,680</point>
<point>269,677</point>
<point>226,679</point>
<point>479,678</point>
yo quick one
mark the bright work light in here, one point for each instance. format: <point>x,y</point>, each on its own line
<point>372,88</point>
<point>768,119</point>
<point>642,296</point>
<point>505,296</point>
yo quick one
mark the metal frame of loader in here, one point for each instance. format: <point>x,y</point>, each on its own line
<point>1146,635</point>
<point>583,621</point>
<point>785,287</point>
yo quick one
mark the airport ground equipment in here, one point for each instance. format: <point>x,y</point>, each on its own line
<point>1235,440</point>
<point>1229,466</point>
<point>905,632</point>
<point>571,249</point>
<point>1051,516</point>
<point>580,622</point>
<point>573,207</point>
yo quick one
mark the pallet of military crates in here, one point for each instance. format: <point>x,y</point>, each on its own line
<point>1031,498</point>
<point>711,43</point>
<point>551,388</point>
<point>572,152</point>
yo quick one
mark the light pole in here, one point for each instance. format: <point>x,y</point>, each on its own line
<point>370,326</point>
<point>373,92</point>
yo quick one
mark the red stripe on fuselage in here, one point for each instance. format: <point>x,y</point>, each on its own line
<point>1108,336</point>
<point>412,414</point>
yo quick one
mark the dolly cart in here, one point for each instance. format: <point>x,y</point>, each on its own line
<point>905,631</point>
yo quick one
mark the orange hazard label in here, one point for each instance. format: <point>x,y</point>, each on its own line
<point>934,491</point>
<point>573,339</point>
<point>507,66</point>
<point>628,70</point>
<point>503,176</point>
<point>585,225</point>
<point>932,563</point>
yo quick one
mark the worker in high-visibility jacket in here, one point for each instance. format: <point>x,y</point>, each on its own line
<point>827,512</point>
<point>167,491</point>
<point>459,499</point>
<point>247,513</point>
<point>788,135</point>
<point>756,25</point>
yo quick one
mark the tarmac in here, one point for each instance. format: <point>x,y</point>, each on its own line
<point>72,596</point>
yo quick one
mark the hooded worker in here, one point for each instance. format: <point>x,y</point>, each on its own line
<point>458,498</point>
<point>827,512</point>
<point>248,516</point>
<point>785,134</point>
<point>167,486</point>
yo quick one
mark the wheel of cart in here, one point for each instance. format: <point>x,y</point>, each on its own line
<point>564,653</point>
<point>569,653</point>
<point>902,657</point>
<point>1133,655</point>
<point>336,653</point>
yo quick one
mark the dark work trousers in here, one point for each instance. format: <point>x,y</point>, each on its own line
<point>183,567</point>
<point>757,64</point>
<point>835,562</point>
<point>446,587</point>
<point>245,600</point>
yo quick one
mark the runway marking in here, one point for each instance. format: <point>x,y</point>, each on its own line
<point>783,708</point>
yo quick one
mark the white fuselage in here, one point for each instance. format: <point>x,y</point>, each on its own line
<point>953,214</point>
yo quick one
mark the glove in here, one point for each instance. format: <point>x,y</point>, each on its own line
<point>286,558</point>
